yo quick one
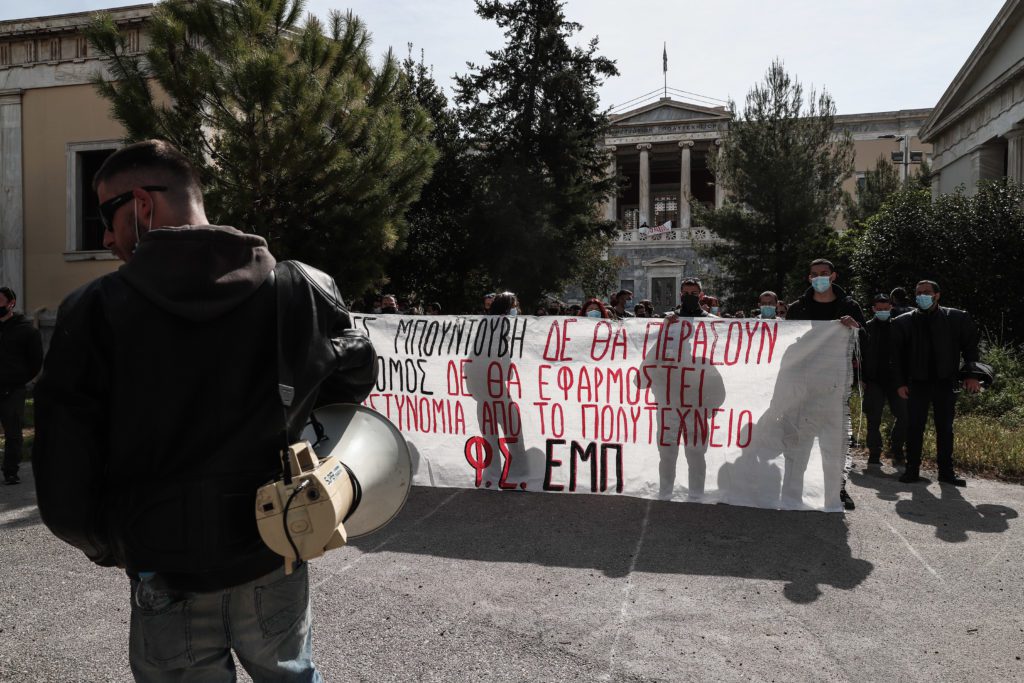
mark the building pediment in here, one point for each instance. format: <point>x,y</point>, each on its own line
<point>669,111</point>
<point>664,262</point>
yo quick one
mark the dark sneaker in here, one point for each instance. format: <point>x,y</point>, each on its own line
<point>875,458</point>
<point>848,503</point>
<point>12,479</point>
<point>910,477</point>
<point>952,479</point>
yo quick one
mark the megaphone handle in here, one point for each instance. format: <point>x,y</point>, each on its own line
<point>284,519</point>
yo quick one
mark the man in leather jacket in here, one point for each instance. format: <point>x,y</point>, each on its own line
<point>158,416</point>
<point>928,344</point>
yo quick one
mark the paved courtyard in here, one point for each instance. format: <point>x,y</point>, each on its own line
<point>920,583</point>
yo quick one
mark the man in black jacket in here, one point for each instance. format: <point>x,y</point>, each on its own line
<point>21,356</point>
<point>825,300</point>
<point>880,386</point>
<point>158,417</point>
<point>928,344</point>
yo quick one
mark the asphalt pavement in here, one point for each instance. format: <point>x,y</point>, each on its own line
<point>919,583</point>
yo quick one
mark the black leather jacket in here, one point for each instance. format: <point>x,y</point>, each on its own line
<point>158,414</point>
<point>950,331</point>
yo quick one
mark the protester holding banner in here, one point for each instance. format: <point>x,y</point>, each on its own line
<point>880,384</point>
<point>825,300</point>
<point>928,344</point>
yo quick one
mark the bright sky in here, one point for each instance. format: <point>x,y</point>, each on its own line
<point>872,55</point>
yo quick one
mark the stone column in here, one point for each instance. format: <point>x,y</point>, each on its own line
<point>12,226</point>
<point>1015,154</point>
<point>645,184</point>
<point>719,188</point>
<point>611,203</point>
<point>685,190</point>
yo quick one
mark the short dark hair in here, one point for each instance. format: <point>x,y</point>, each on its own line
<point>690,281</point>
<point>898,293</point>
<point>823,262</point>
<point>503,303</point>
<point>933,283</point>
<point>881,298</point>
<point>770,293</point>
<point>156,161</point>
<point>434,306</point>
<point>8,293</point>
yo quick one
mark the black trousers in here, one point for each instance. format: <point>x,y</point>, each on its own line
<point>940,396</point>
<point>12,419</point>
<point>875,397</point>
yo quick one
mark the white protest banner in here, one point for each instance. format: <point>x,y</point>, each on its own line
<point>747,412</point>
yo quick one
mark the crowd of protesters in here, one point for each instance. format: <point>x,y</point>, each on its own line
<point>913,358</point>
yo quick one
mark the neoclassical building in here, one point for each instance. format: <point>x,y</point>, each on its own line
<point>662,152</point>
<point>977,127</point>
<point>55,131</point>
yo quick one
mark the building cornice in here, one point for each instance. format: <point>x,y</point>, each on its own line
<point>942,116</point>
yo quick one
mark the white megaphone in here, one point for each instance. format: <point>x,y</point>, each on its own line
<point>357,486</point>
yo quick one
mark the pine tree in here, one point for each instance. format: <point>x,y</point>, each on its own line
<point>783,168</point>
<point>532,115</point>
<point>296,136</point>
<point>435,260</point>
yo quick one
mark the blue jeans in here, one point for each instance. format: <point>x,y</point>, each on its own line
<point>181,636</point>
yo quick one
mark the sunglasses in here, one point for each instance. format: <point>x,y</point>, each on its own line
<point>110,207</point>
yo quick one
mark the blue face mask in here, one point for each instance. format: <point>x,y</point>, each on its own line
<point>594,313</point>
<point>767,311</point>
<point>821,283</point>
<point>924,301</point>
<point>513,311</point>
<point>882,315</point>
<point>714,310</point>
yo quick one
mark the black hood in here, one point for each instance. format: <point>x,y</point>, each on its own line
<point>839,292</point>
<point>198,272</point>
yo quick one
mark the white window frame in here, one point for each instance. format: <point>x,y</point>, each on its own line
<point>73,229</point>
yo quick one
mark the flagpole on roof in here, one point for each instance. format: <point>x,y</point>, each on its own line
<point>664,66</point>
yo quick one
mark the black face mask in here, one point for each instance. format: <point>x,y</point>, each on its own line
<point>690,303</point>
<point>389,309</point>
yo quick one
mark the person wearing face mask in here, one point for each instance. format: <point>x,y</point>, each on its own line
<point>879,384</point>
<point>388,304</point>
<point>825,300</point>
<point>767,305</point>
<point>21,356</point>
<point>594,308</point>
<point>692,301</point>
<point>928,344</point>
<point>505,303</point>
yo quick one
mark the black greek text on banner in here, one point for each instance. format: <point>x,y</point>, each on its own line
<point>746,412</point>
